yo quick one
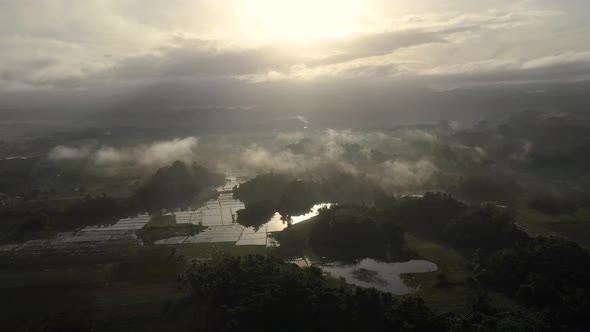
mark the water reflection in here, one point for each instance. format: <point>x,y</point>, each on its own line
<point>385,277</point>
<point>276,222</point>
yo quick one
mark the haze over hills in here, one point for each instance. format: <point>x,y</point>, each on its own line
<point>360,65</point>
<point>342,105</point>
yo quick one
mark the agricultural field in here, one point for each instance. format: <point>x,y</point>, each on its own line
<point>122,287</point>
<point>459,291</point>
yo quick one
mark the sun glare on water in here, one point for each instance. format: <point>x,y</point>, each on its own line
<point>302,20</point>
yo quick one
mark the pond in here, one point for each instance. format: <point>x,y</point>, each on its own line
<point>275,224</point>
<point>386,277</point>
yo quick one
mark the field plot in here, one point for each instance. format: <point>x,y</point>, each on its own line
<point>453,265</point>
<point>219,212</point>
<point>218,216</point>
<point>237,234</point>
<point>90,238</point>
<point>172,240</point>
<point>258,238</point>
<point>218,230</point>
<point>229,185</point>
<point>112,289</point>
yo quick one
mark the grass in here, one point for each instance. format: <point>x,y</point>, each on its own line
<point>151,235</point>
<point>575,230</point>
<point>161,221</point>
<point>122,288</point>
<point>452,263</point>
<point>210,250</point>
<point>460,294</point>
<point>575,226</point>
<point>163,227</point>
<point>449,261</point>
<point>62,275</point>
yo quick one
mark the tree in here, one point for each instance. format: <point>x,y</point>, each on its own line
<point>355,230</point>
<point>552,205</point>
<point>253,293</point>
<point>255,214</point>
<point>548,273</point>
<point>487,227</point>
<point>174,187</point>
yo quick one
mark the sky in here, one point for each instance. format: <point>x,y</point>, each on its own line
<point>105,47</point>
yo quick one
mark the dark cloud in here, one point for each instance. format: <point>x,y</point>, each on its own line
<point>187,55</point>
<point>197,58</point>
<point>555,68</point>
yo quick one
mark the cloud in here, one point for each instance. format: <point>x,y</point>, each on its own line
<point>564,66</point>
<point>201,58</point>
<point>290,137</point>
<point>153,155</point>
<point>61,152</point>
<point>329,152</point>
<point>107,155</point>
<point>162,153</point>
<point>418,135</point>
<point>525,152</point>
<point>323,153</point>
<point>105,48</point>
<point>91,55</point>
<point>400,174</point>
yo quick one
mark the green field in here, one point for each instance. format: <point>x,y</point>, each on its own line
<point>574,226</point>
<point>163,227</point>
<point>161,221</point>
<point>122,288</point>
<point>460,294</point>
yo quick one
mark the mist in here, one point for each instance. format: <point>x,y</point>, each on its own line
<point>156,154</point>
<point>320,155</point>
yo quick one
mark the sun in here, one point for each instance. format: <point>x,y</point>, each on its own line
<point>301,20</point>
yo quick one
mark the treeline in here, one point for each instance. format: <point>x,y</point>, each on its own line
<point>354,231</point>
<point>269,193</point>
<point>378,231</point>
<point>441,217</point>
<point>549,276</point>
<point>553,205</point>
<point>257,293</point>
<point>173,187</point>
<point>437,216</point>
<point>486,188</point>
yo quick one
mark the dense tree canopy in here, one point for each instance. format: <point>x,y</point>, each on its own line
<point>428,215</point>
<point>548,272</point>
<point>552,205</point>
<point>171,187</point>
<point>297,198</point>
<point>174,187</point>
<point>269,193</point>
<point>487,188</point>
<point>291,196</point>
<point>255,214</point>
<point>353,226</point>
<point>101,209</point>
<point>486,226</point>
<point>263,188</point>
<point>256,293</point>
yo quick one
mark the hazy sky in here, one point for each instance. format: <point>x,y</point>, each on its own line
<point>87,44</point>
